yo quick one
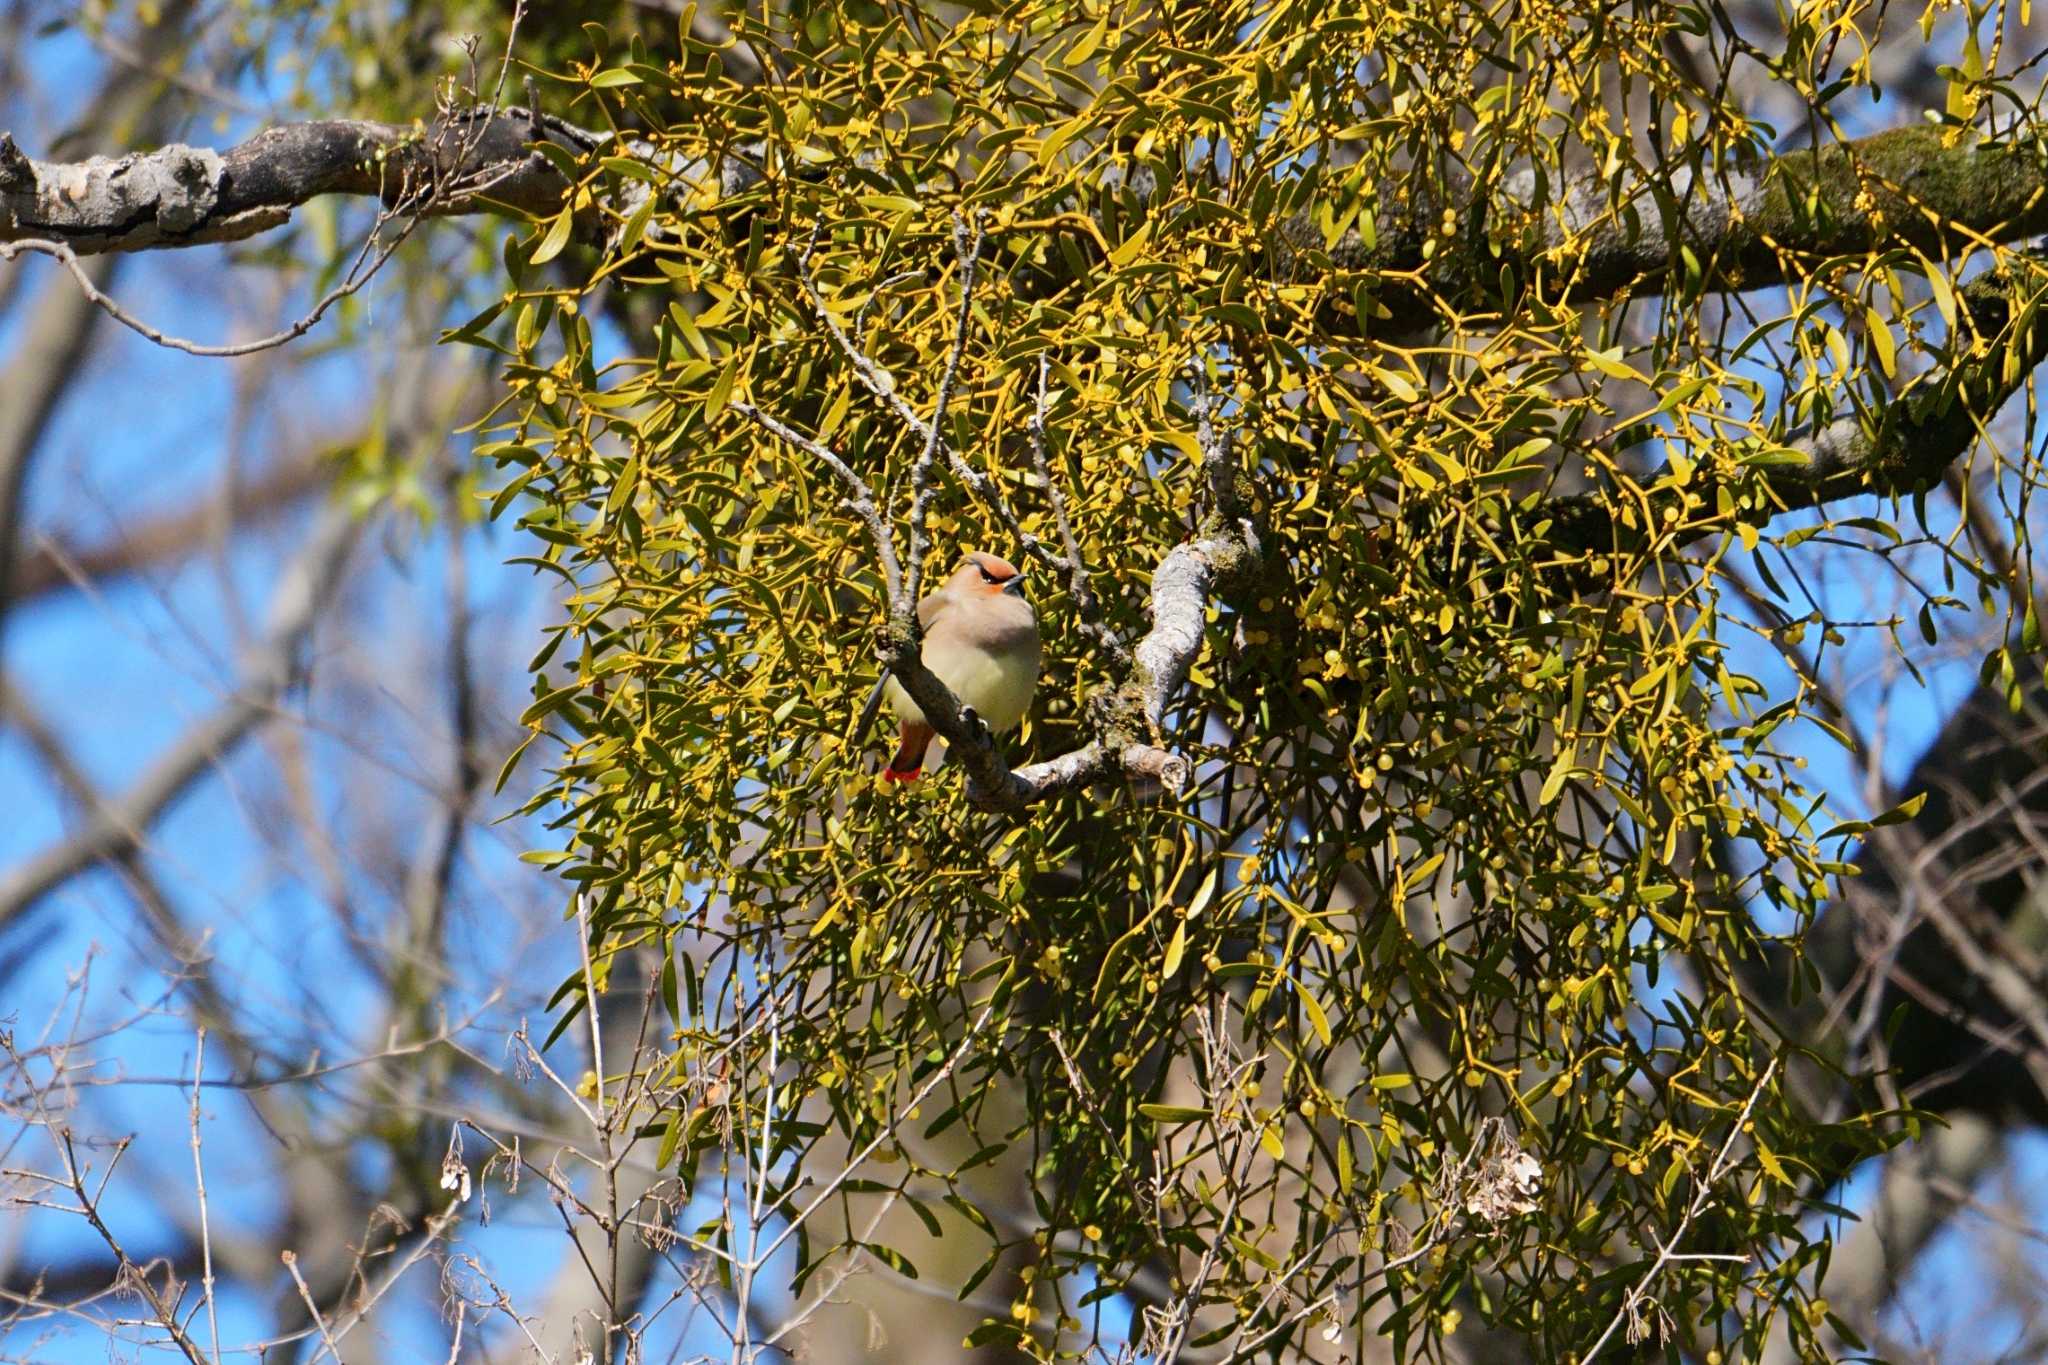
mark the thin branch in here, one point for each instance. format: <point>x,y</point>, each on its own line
<point>424,183</point>
<point>266,673</point>
<point>199,1184</point>
<point>166,1311</point>
<point>1667,1249</point>
<point>923,487</point>
<point>360,273</point>
<point>437,1224</point>
<point>291,1263</point>
<point>879,382</point>
<point>860,497</point>
<point>1085,602</point>
<point>1236,1167</point>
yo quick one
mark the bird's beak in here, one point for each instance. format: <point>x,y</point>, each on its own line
<point>1015,587</point>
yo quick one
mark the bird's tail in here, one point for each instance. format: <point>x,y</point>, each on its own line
<point>909,759</point>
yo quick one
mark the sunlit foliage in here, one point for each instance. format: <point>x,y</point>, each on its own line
<point>1486,815</point>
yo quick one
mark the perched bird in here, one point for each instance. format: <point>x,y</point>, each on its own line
<point>981,639</point>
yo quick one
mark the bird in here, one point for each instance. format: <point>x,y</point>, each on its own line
<point>981,640</point>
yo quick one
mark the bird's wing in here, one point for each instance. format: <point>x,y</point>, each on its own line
<point>867,712</point>
<point>928,613</point>
<point>998,625</point>
<point>934,606</point>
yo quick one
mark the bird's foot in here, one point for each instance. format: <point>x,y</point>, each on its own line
<point>976,727</point>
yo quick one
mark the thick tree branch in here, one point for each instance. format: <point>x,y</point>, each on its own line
<point>1745,224</point>
<point>1134,718</point>
<point>185,196</point>
<point>1900,449</point>
<point>1597,237</point>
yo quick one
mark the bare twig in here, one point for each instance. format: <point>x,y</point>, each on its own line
<point>1226,1070</point>
<point>455,1346</point>
<point>291,1263</point>
<point>266,673</point>
<point>199,1184</point>
<point>166,1311</point>
<point>436,1225</point>
<point>425,184</point>
<point>361,272</point>
<point>923,488</point>
<point>1667,1250</point>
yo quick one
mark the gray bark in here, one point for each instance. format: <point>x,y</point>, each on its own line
<point>1741,223</point>
<point>186,196</point>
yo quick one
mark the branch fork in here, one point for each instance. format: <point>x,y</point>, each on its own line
<point>1131,720</point>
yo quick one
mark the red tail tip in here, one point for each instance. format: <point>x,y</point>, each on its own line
<point>897,775</point>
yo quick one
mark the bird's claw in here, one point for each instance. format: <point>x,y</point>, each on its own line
<point>975,725</point>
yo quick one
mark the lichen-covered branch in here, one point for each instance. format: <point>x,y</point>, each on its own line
<point>1182,586</point>
<point>1593,239</point>
<point>186,196</point>
<point>1744,224</point>
<point>1897,450</point>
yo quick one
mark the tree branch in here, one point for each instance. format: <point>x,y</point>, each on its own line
<point>186,196</point>
<point>1899,449</point>
<point>1595,238</point>
<point>1747,225</point>
<point>266,672</point>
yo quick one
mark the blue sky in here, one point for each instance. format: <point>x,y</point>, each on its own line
<point>122,672</point>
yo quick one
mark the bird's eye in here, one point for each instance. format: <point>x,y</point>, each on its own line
<point>986,576</point>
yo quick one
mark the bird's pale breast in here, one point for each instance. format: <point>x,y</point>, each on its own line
<point>992,667</point>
